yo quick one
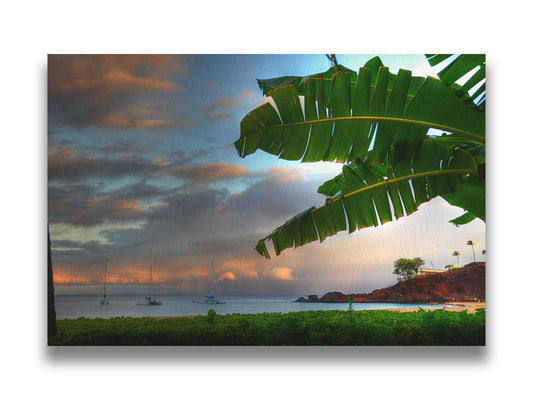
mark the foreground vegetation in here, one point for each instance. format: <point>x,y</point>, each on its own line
<point>374,327</point>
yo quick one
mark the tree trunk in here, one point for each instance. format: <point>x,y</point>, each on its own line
<point>52,328</point>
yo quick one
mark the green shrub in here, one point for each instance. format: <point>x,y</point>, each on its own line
<point>211,316</point>
<point>369,327</point>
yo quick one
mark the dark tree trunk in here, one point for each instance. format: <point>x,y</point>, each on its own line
<point>52,328</point>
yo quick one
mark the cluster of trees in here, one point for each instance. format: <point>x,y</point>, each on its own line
<point>456,253</point>
<point>407,268</point>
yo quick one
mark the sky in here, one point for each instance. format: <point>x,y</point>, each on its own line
<point>142,171</point>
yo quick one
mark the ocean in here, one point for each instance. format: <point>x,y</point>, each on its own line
<point>70,306</point>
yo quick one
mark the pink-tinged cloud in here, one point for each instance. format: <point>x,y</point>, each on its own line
<point>284,174</point>
<point>244,266</point>
<point>228,275</point>
<point>115,73</point>
<point>113,121</point>
<point>105,90</point>
<point>125,209</point>
<point>120,274</point>
<point>223,107</point>
<point>95,85</point>
<point>234,101</point>
<point>283,273</point>
<point>209,172</point>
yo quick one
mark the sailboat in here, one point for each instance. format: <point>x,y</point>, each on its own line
<point>104,301</point>
<point>214,297</point>
<point>148,301</point>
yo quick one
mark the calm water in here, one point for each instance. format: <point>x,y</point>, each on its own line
<point>89,306</point>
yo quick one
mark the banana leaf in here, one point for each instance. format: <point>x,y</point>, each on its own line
<point>463,219</point>
<point>361,196</point>
<point>460,67</point>
<point>339,120</point>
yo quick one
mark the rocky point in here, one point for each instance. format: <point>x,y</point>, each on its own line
<point>462,284</point>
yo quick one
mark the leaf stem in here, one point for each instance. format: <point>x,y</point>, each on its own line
<point>401,179</point>
<point>458,132</point>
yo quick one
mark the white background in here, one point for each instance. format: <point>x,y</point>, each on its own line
<point>31,30</point>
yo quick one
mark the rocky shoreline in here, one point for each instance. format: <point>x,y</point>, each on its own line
<point>462,284</point>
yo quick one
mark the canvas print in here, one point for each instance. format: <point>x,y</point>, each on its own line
<point>266,200</point>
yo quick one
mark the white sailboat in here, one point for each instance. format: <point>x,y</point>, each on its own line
<point>216,292</point>
<point>148,301</point>
<point>104,301</point>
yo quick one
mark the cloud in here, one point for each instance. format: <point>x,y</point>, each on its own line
<point>282,273</point>
<point>86,205</point>
<point>227,275</point>
<point>281,193</point>
<point>209,172</point>
<point>224,107</point>
<point>102,199</point>
<point>113,121</point>
<point>245,265</point>
<point>207,220</point>
<point>136,273</point>
<point>182,229</point>
<point>108,74</point>
<point>105,90</point>
<point>210,85</point>
<point>68,164</point>
<point>68,207</point>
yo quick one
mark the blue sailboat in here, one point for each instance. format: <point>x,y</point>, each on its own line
<point>216,292</point>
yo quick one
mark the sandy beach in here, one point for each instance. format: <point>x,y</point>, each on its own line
<point>470,307</point>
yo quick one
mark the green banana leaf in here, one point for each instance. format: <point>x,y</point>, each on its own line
<point>463,219</point>
<point>267,85</point>
<point>341,123</point>
<point>458,68</point>
<point>362,197</point>
<point>470,196</point>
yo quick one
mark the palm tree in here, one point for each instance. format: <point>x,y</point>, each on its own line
<point>340,108</point>
<point>456,254</point>
<point>470,243</point>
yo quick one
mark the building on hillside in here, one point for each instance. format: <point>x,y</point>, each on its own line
<point>429,271</point>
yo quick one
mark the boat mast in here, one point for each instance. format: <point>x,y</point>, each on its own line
<point>105,277</point>
<point>150,288</point>
<point>212,280</point>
